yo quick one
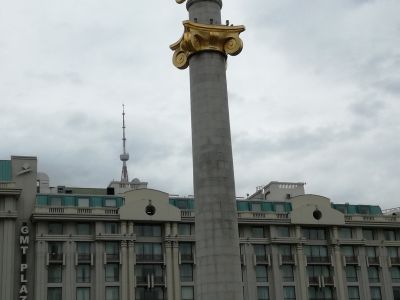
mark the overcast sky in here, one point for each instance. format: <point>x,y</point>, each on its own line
<point>314,96</point>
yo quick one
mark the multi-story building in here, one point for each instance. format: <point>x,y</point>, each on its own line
<point>70,243</point>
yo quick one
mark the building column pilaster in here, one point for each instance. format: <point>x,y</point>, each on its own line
<point>169,270</point>
<point>302,271</point>
<point>124,270</point>
<point>177,282</point>
<point>338,271</point>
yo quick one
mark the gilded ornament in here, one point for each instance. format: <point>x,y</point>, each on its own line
<point>202,37</point>
<point>180,1</point>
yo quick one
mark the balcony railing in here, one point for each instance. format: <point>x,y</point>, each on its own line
<point>84,257</point>
<point>288,259</point>
<point>395,260</point>
<point>149,257</point>
<point>56,257</point>
<point>112,257</point>
<point>186,257</point>
<point>70,210</point>
<point>328,280</point>
<point>373,260</point>
<point>351,259</point>
<point>262,259</point>
<point>318,259</point>
<point>313,280</point>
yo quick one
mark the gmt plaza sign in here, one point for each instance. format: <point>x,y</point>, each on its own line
<point>24,246</point>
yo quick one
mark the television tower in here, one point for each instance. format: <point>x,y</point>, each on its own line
<point>124,157</point>
<point>204,47</point>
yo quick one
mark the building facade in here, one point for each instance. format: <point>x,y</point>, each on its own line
<point>85,244</point>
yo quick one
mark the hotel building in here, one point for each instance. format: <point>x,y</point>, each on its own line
<point>128,242</point>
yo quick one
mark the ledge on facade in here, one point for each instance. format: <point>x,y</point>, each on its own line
<point>9,188</point>
<point>8,214</point>
<point>40,212</point>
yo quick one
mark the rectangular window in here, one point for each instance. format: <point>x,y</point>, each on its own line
<point>149,252</point>
<point>55,228</point>
<point>83,202</point>
<point>287,273</point>
<point>82,293</point>
<point>146,272</point>
<point>186,229</point>
<point>257,232</point>
<point>186,251</point>
<point>111,227</point>
<point>395,274</point>
<point>325,293</point>
<point>353,292</point>
<point>373,274</point>
<point>186,272</point>
<point>314,233</point>
<point>262,293</point>
<point>316,254</point>
<point>261,273</point>
<point>55,250</point>
<point>55,201</point>
<point>289,293</point>
<point>112,250</point>
<point>393,252</point>
<point>345,233</point>
<point>112,293</point>
<point>148,230</point>
<point>54,274</point>
<point>110,203</point>
<point>282,231</point>
<point>375,293</point>
<point>155,293</point>
<point>112,272</point>
<point>83,229</point>
<point>351,273</point>
<point>260,252</point>
<point>187,293</point>
<point>83,273</point>
<point>396,293</point>
<point>54,293</point>
<point>368,234</point>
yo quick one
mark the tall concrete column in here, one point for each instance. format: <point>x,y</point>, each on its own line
<point>204,47</point>
<point>302,272</point>
<point>131,268</point>
<point>338,272</point>
<point>124,270</point>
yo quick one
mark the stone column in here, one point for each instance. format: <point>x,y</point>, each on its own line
<point>169,270</point>
<point>40,272</point>
<point>124,270</point>
<point>302,272</point>
<point>338,272</point>
<point>131,270</point>
<point>204,47</point>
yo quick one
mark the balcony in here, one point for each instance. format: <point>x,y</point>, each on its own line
<point>318,259</point>
<point>150,279</point>
<point>328,280</point>
<point>187,257</point>
<point>42,211</point>
<point>352,259</point>
<point>262,259</point>
<point>313,280</point>
<point>149,257</point>
<point>84,257</point>
<point>288,259</point>
<point>395,260</point>
<point>112,257</point>
<point>373,261</point>
<point>56,258</point>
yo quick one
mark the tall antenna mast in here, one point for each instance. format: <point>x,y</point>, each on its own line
<point>124,157</point>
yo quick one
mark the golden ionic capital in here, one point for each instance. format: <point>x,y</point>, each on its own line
<point>201,37</point>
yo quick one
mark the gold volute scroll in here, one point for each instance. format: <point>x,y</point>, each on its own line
<point>180,1</point>
<point>202,37</point>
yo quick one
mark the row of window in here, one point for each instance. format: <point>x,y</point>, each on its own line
<point>112,293</point>
<point>141,230</point>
